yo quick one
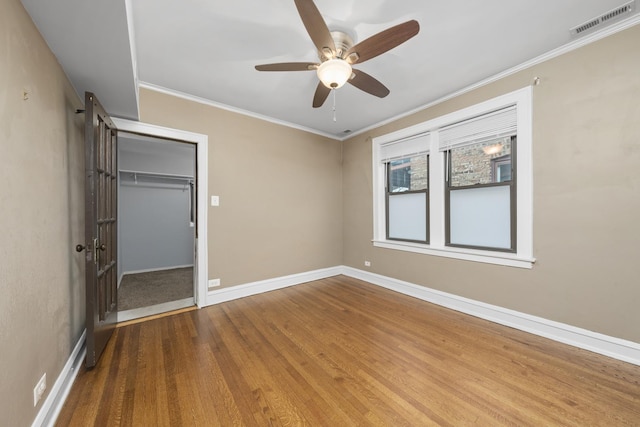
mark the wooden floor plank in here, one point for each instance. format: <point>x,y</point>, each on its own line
<point>340,352</point>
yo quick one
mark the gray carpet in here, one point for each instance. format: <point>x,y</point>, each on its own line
<point>145,289</point>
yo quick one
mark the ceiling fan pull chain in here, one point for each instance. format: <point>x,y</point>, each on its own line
<point>334,105</point>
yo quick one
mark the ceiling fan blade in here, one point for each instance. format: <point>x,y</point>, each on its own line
<point>288,66</point>
<point>366,83</point>
<point>322,92</point>
<point>382,42</point>
<point>316,27</point>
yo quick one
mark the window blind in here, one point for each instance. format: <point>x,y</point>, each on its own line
<point>411,146</point>
<point>494,125</point>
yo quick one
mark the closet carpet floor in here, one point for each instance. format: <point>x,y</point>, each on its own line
<point>155,287</point>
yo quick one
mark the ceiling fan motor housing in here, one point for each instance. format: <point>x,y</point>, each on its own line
<point>343,43</point>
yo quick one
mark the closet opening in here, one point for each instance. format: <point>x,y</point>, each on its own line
<point>157,208</point>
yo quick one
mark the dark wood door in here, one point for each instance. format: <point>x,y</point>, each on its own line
<point>101,191</point>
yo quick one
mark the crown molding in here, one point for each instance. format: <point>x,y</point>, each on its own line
<point>208,102</point>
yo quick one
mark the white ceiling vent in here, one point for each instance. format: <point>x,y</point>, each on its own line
<point>603,20</point>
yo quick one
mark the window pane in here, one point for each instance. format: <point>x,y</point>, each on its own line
<point>481,217</point>
<point>482,163</point>
<point>503,172</point>
<point>408,216</point>
<point>408,174</point>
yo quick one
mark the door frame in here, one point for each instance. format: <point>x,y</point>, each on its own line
<point>201,141</point>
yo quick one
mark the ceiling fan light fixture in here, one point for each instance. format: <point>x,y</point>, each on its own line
<point>334,73</point>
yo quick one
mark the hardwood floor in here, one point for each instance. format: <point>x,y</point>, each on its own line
<point>341,352</point>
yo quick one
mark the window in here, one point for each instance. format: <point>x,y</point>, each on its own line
<point>501,169</point>
<point>480,195</point>
<point>408,199</point>
<point>479,212</point>
<point>459,186</point>
<point>406,170</point>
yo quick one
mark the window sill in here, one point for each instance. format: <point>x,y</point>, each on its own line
<point>487,257</point>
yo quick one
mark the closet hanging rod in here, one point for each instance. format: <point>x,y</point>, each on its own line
<point>158,175</point>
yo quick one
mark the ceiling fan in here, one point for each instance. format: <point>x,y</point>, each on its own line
<point>337,53</point>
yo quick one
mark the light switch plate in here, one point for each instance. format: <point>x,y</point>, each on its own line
<point>215,200</point>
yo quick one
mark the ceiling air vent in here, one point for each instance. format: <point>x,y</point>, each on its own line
<point>604,19</point>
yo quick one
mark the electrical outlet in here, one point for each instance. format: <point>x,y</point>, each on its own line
<point>39,389</point>
<point>367,263</point>
<point>214,283</point>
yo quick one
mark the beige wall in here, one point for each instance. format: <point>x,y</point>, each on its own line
<point>280,191</point>
<point>586,159</point>
<point>41,216</point>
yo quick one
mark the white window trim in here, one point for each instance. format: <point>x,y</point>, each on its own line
<point>523,257</point>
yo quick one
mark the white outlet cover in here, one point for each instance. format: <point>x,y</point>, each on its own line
<point>213,283</point>
<point>215,200</point>
<point>39,389</point>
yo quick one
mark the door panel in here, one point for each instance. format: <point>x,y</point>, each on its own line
<point>100,227</point>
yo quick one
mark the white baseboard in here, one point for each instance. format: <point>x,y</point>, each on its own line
<point>627,351</point>
<point>151,270</point>
<point>241,291</point>
<point>58,395</point>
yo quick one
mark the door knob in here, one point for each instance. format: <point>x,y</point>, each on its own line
<point>80,248</point>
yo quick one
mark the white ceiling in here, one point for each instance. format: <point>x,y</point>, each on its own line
<point>208,50</point>
<point>96,54</point>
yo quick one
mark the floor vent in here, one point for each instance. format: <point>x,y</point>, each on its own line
<point>604,19</point>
